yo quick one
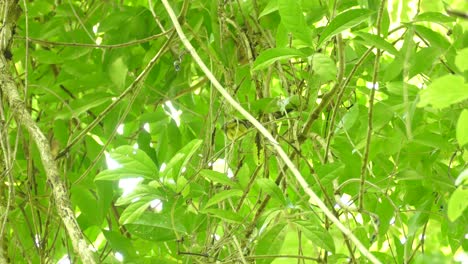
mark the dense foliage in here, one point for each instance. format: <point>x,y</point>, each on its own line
<point>367,98</point>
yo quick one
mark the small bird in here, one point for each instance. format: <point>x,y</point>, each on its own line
<point>236,128</point>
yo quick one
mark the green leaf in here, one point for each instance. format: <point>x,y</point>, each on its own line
<point>270,56</point>
<point>143,190</point>
<point>435,17</point>
<point>223,195</point>
<point>135,210</point>
<point>119,243</point>
<point>80,106</point>
<point>462,178</point>
<point>117,72</point>
<point>271,242</point>
<point>217,177</point>
<point>228,216</point>
<point>323,66</point>
<point>181,158</point>
<point>317,235</point>
<point>270,187</point>
<point>134,163</point>
<point>457,203</point>
<point>462,128</point>
<point>462,59</point>
<point>293,20</point>
<point>271,7</point>
<point>344,21</point>
<point>378,42</point>
<point>434,38</point>
<point>444,91</point>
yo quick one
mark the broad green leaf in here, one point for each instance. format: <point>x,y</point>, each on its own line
<point>132,163</point>
<point>457,203</point>
<point>225,215</point>
<point>378,42</point>
<point>189,150</point>
<point>462,128</point>
<point>223,195</point>
<point>293,20</point>
<point>444,91</point>
<point>119,243</point>
<point>323,66</point>
<point>348,120</point>
<point>462,178</point>
<point>270,56</point>
<point>156,226</point>
<point>143,190</point>
<point>435,17</point>
<point>217,177</point>
<point>434,38</point>
<point>181,158</point>
<point>344,21</point>
<point>82,105</point>
<point>462,59</point>
<point>271,7</point>
<point>317,235</point>
<point>271,242</point>
<point>270,187</point>
<point>117,71</point>
<point>134,211</point>
<point>87,203</point>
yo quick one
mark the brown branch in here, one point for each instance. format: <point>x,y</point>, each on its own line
<point>371,111</point>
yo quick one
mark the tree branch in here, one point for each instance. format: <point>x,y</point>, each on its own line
<point>9,89</point>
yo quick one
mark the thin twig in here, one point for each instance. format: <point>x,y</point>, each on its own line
<point>371,111</point>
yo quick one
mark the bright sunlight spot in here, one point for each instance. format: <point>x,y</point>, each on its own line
<point>37,240</point>
<point>95,28</point>
<point>120,129</point>
<point>128,185</point>
<point>118,256</point>
<point>220,165</point>
<point>156,205</point>
<point>163,167</point>
<point>173,112</point>
<point>64,260</point>
<point>146,127</point>
<point>111,163</point>
<point>370,85</point>
<point>97,139</point>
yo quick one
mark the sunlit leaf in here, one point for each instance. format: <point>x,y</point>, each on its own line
<point>378,42</point>
<point>270,56</point>
<point>344,21</point>
<point>444,91</point>
<point>132,162</point>
<point>223,195</point>
<point>458,203</point>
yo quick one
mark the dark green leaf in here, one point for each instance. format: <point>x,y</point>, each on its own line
<point>293,20</point>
